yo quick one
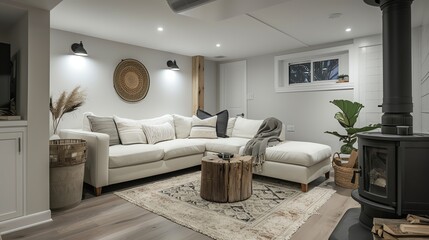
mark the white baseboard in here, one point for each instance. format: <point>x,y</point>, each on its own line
<point>23,222</point>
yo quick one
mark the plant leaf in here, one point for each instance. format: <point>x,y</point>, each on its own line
<point>350,112</point>
<point>370,127</point>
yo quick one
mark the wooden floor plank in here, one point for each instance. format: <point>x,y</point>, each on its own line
<point>110,217</point>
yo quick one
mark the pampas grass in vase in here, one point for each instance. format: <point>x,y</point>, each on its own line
<point>66,103</point>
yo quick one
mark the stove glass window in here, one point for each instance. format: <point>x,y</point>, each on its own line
<point>376,170</point>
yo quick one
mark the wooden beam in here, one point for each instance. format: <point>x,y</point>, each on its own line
<point>197,83</point>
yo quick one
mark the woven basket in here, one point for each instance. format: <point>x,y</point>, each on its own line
<point>67,152</point>
<point>343,175</point>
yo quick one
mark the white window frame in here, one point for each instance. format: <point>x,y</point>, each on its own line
<point>281,69</point>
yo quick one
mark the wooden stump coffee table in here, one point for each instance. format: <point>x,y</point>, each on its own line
<point>226,181</point>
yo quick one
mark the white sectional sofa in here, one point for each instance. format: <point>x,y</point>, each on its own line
<point>300,162</point>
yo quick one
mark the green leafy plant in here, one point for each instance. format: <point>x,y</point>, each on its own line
<point>347,119</point>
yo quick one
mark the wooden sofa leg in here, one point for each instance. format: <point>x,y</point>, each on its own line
<point>304,187</point>
<point>97,191</point>
<point>327,175</point>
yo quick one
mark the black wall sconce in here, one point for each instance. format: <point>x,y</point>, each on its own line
<point>78,49</point>
<point>173,65</point>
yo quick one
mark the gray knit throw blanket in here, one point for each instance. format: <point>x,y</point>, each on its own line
<point>269,131</point>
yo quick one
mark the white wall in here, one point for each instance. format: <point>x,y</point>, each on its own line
<point>210,87</point>
<point>169,92</point>
<point>30,36</point>
<point>310,112</point>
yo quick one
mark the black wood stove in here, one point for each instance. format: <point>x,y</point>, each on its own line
<point>393,164</point>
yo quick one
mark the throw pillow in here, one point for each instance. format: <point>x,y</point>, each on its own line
<point>246,128</point>
<point>231,123</point>
<point>130,131</point>
<point>182,125</point>
<point>105,125</point>
<point>158,133</point>
<point>85,123</point>
<point>221,123</point>
<point>203,128</point>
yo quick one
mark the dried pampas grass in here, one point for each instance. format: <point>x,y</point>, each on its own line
<point>66,103</point>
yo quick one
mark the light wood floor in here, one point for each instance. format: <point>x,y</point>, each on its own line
<point>110,217</point>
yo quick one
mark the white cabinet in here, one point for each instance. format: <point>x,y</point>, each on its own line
<point>11,172</point>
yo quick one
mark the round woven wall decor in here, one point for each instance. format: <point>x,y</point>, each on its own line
<point>131,80</point>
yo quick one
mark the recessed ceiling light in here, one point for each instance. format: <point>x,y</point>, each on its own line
<point>217,44</point>
<point>160,29</point>
<point>348,29</point>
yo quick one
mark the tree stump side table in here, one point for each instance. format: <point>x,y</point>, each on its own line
<point>226,181</point>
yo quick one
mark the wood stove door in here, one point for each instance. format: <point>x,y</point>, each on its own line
<point>378,164</point>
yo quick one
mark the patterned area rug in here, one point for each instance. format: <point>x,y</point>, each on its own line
<point>274,211</point>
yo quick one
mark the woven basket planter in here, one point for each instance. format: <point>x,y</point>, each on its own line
<point>343,174</point>
<point>67,163</point>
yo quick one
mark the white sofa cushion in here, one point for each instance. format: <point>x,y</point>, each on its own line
<point>182,125</point>
<point>231,122</point>
<point>128,155</point>
<point>245,128</point>
<point>158,120</point>
<point>203,128</point>
<point>130,131</point>
<point>230,145</point>
<point>181,147</point>
<point>298,153</point>
<point>158,133</point>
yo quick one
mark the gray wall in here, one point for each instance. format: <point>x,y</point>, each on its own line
<point>169,92</point>
<point>310,112</point>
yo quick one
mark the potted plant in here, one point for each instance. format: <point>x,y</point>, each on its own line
<point>343,78</point>
<point>66,156</point>
<point>347,119</point>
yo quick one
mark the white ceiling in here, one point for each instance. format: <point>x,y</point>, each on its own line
<point>248,28</point>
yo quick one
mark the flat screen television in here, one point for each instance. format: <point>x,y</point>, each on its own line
<point>7,82</point>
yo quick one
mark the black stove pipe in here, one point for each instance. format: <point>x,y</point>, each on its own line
<point>397,82</point>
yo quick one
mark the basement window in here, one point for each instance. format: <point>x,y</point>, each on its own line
<point>312,71</point>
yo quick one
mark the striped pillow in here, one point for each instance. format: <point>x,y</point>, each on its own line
<point>105,125</point>
<point>205,128</point>
<point>158,133</point>
<point>130,131</point>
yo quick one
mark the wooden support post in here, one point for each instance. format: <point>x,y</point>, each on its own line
<point>197,83</point>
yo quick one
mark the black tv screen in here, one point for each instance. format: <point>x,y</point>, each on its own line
<point>7,86</point>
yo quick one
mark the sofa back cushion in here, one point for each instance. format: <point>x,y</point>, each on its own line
<point>158,133</point>
<point>130,131</point>
<point>105,125</point>
<point>246,128</point>
<point>231,123</point>
<point>182,126</point>
<point>203,128</point>
<point>158,120</point>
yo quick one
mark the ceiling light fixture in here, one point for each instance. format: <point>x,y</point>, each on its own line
<point>160,29</point>
<point>218,45</point>
<point>348,29</point>
<point>172,65</point>
<point>78,49</point>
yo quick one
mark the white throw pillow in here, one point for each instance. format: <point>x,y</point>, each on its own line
<point>130,131</point>
<point>246,128</point>
<point>203,128</point>
<point>158,120</point>
<point>158,133</point>
<point>182,125</point>
<point>231,123</point>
